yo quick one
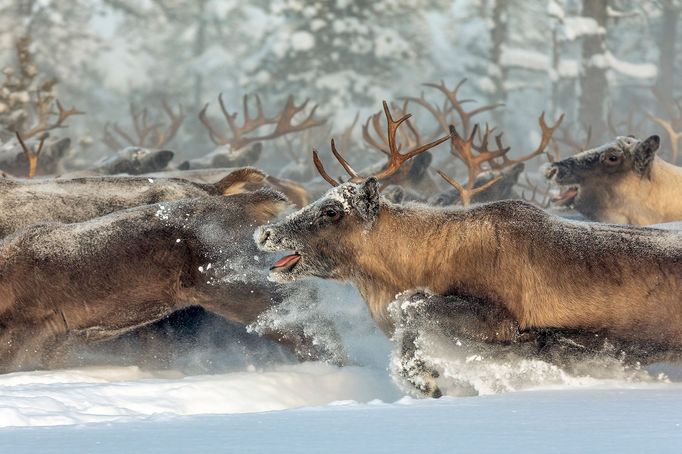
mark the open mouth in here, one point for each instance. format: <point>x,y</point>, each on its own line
<point>286,263</point>
<point>566,196</point>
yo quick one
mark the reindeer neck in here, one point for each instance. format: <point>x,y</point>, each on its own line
<point>420,248</point>
<point>666,180</point>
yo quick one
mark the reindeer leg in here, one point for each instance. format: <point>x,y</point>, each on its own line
<point>454,317</point>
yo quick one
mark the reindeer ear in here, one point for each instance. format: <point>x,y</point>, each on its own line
<point>367,199</point>
<point>644,154</point>
<point>235,181</point>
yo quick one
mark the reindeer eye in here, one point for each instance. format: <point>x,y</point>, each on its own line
<point>330,212</point>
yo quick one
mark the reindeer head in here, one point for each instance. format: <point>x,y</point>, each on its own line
<point>603,166</point>
<point>323,235</point>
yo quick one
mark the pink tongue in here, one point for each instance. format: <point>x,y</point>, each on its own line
<point>288,260</point>
<point>566,194</point>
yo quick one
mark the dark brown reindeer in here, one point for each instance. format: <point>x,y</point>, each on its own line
<point>499,271</point>
<point>66,285</point>
<point>621,182</point>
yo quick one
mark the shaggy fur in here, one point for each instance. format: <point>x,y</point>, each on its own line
<point>544,271</point>
<point>27,202</point>
<point>65,284</point>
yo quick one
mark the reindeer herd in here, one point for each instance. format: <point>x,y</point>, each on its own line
<point>92,251</point>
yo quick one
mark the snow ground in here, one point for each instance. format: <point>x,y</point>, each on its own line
<point>315,407</point>
<point>595,420</point>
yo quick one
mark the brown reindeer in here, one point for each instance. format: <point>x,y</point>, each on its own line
<point>621,182</point>
<point>509,266</point>
<point>63,285</point>
<point>74,200</point>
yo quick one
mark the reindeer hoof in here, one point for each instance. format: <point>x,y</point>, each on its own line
<point>436,393</point>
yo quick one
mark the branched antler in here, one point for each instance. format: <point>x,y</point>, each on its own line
<point>146,135</point>
<point>395,158</point>
<point>466,150</point>
<point>476,156</point>
<point>283,122</point>
<point>547,134</point>
<point>465,116</point>
<point>43,114</point>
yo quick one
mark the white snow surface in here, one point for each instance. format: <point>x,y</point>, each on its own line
<point>620,420</point>
<point>316,407</point>
<point>95,395</point>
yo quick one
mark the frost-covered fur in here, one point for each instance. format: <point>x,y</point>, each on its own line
<point>64,284</point>
<point>468,326</point>
<point>24,202</point>
<point>295,192</point>
<point>544,271</point>
<point>622,182</point>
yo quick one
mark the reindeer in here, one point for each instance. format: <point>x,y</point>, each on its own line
<point>621,182</point>
<point>64,285</point>
<point>81,199</point>
<point>508,268</point>
<point>491,173</point>
<point>23,160</point>
<point>143,149</point>
<point>244,145</point>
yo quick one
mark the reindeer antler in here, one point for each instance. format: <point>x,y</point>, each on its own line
<point>283,122</point>
<point>31,156</point>
<point>395,158</point>
<point>457,104</point>
<point>465,150</point>
<point>547,133</point>
<point>43,113</point>
<point>147,135</point>
<point>672,127</point>
<point>475,156</point>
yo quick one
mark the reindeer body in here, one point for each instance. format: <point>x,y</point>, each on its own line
<point>79,199</point>
<point>549,273</point>
<point>64,284</point>
<point>27,202</point>
<point>544,271</point>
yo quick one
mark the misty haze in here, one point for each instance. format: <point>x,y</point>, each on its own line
<point>340,226</point>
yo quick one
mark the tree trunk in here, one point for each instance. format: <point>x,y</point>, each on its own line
<point>667,50</point>
<point>498,74</point>
<point>593,83</point>
<point>199,48</point>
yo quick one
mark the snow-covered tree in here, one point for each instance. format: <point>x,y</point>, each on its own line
<point>343,53</point>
